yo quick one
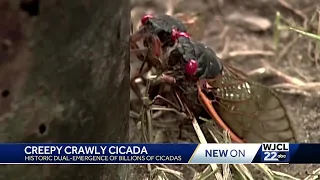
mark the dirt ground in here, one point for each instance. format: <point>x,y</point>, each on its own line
<point>250,45</point>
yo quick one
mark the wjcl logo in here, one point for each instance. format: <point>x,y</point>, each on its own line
<point>275,152</point>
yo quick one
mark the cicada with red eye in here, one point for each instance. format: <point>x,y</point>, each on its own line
<point>157,36</point>
<point>249,111</point>
<point>156,33</point>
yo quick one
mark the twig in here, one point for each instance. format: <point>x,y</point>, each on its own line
<point>306,86</point>
<point>286,49</point>
<point>171,4</point>
<point>204,175</point>
<point>145,118</point>
<point>177,174</point>
<point>243,171</point>
<point>226,167</point>
<point>142,120</point>
<point>268,69</point>
<point>317,50</point>
<point>294,92</point>
<point>161,108</point>
<point>296,11</point>
<point>251,53</point>
<point>313,175</point>
<point>148,112</point>
<point>134,115</point>
<point>224,32</point>
<point>203,140</point>
<point>224,53</point>
<point>308,9</point>
<point>234,54</point>
<point>277,31</point>
<point>292,85</point>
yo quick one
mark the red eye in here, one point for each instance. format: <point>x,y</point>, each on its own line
<point>145,18</point>
<point>174,35</point>
<point>184,34</point>
<point>191,67</point>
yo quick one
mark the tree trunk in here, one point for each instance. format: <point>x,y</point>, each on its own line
<point>64,77</point>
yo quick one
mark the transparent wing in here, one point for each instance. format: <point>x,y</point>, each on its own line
<point>252,111</point>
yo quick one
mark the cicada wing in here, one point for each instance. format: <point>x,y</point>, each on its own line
<point>252,111</point>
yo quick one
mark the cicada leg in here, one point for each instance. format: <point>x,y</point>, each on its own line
<point>186,110</point>
<point>168,80</point>
<point>179,106</point>
<point>154,52</point>
<point>134,38</point>
<point>143,69</point>
<point>152,43</point>
<point>176,103</point>
<point>133,83</point>
<point>167,101</point>
<point>155,46</point>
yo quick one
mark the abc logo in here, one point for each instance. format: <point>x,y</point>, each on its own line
<point>281,156</point>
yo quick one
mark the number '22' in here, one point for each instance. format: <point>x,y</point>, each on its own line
<point>270,156</point>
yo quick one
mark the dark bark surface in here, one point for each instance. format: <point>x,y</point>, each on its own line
<point>64,77</point>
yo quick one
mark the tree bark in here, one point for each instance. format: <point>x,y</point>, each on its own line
<point>64,77</point>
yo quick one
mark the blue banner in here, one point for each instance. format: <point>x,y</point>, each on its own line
<point>304,153</point>
<point>95,153</point>
<point>159,153</point>
<point>288,153</point>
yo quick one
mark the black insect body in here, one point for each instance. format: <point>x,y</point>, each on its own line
<point>188,62</point>
<point>250,111</point>
<point>160,27</point>
<point>157,35</point>
<point>198,60</point>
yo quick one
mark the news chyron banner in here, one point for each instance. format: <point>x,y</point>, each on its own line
<point>283,153</point>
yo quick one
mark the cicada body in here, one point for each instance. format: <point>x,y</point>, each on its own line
<point>203,85</point>
<point>250,111</point>
<point>156,32</point>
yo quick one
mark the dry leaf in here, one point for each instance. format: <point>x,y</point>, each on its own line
<point>250,22</point>
<point>194,23</point>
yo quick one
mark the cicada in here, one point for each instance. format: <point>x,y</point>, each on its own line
<point>157,36</point>
<point>200,82</point>
<point>249,111</point>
